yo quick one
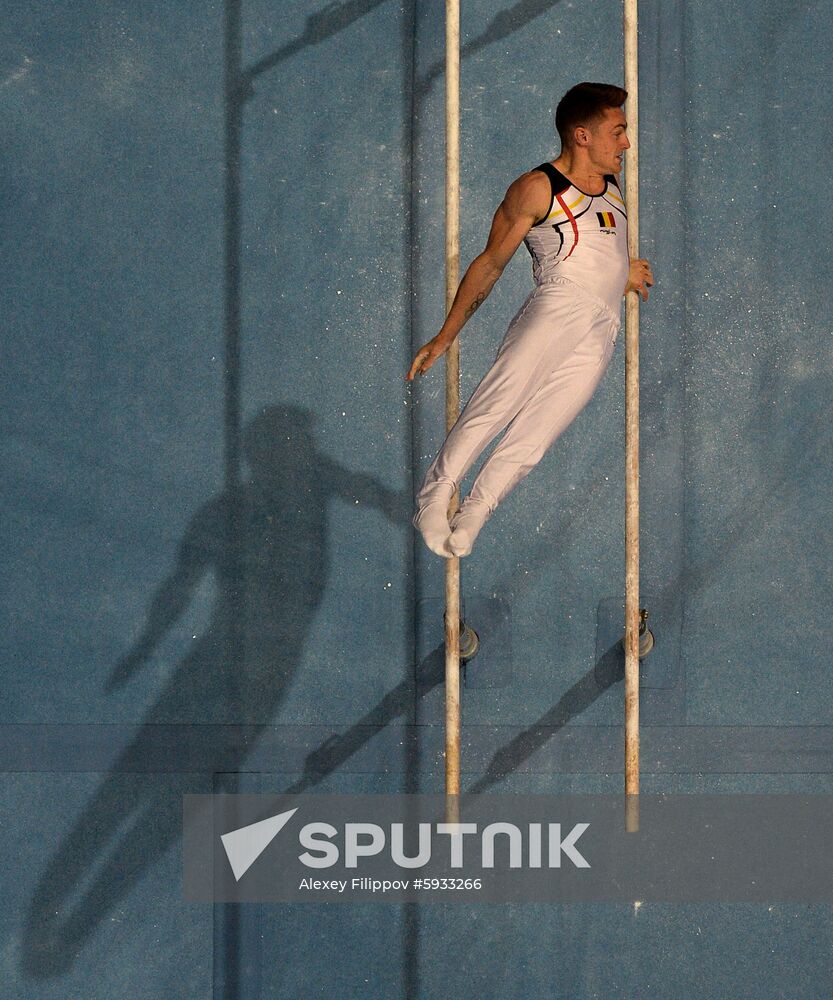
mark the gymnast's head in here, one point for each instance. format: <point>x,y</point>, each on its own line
<point>587,109</point>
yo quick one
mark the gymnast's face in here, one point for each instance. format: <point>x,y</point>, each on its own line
<point>606,140</point>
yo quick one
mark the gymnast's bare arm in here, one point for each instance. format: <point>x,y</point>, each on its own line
<point>526,201</point>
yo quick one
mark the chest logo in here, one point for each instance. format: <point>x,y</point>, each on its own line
<point>607,221</point>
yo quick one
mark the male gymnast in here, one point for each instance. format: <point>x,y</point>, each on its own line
<point>571,215</point>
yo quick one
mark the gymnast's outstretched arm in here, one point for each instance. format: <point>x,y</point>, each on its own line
<point>526,201</point>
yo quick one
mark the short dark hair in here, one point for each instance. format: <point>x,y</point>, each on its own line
<point>583,104</point>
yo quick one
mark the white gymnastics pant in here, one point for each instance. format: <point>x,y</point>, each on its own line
<point>552,358</point>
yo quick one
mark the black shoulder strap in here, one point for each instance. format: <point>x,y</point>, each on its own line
<point>558,182</point>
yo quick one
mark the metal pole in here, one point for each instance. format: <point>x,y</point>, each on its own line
<point>452,384</point>
<point>632,416</point>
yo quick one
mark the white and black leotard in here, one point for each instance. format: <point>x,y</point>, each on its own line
<point>583,238</point>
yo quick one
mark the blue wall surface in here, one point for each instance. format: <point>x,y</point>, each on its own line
<point>222,244</point>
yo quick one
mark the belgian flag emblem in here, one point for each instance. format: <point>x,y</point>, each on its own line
<point>606,220</point>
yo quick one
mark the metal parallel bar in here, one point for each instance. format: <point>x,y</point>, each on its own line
<point>632,414</point>
<point>452,384</point>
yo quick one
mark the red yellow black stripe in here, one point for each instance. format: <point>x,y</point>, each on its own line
<point>572,219</point>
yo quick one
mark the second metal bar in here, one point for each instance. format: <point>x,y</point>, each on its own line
<point>632,414</point>
<point>452,384</point>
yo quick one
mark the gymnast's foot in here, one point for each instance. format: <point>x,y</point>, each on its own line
<point>432,521</point>
<point>466,525</point>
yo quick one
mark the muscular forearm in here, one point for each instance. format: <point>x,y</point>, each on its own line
<point>523,204</point>
<point>477,282</point>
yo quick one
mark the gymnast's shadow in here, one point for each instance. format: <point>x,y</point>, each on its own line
<point>266,546</point>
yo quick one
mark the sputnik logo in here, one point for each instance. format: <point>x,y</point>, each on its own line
<point>244,846</point>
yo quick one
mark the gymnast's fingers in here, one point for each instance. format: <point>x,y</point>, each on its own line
<point>418,365</point>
